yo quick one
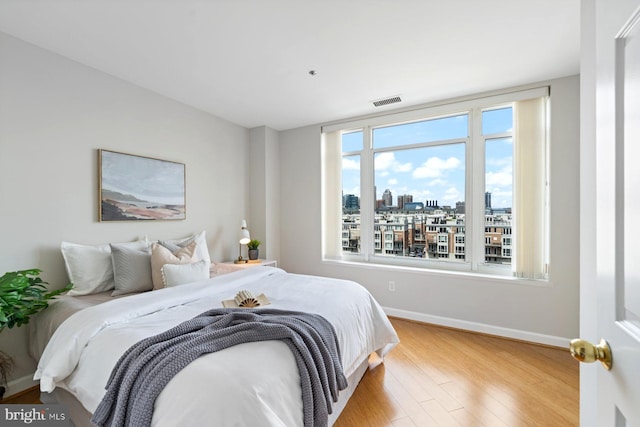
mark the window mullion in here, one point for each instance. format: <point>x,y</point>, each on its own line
<point>475,191</point>
<point>368,197</point>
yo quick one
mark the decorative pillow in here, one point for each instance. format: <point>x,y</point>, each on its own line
<point>90,268</point>
<point>160,256</point>
<point>172,247</point>
<point>179,274</point>
<point>131,269</point>
<point>202,251</point>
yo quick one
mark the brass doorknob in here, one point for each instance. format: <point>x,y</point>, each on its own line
<point>584,351</point>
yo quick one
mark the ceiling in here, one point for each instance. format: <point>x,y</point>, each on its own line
<point>248,61</point>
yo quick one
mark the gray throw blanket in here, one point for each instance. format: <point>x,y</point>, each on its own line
<point>145,369</point>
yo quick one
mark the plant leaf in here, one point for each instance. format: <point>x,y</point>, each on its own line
<point>23,294</point>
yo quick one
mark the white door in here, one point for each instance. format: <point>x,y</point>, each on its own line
<point>610,256</point>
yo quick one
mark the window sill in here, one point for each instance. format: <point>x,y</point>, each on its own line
<point>464,275</point>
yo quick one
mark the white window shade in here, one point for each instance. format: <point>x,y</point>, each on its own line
<point>530,182</point>
<point>331,195</point>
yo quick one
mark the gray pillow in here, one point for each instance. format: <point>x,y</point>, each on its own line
<point>131,269</point>
<point>175,245</point>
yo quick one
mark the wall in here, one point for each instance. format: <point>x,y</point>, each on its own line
<point>264,190</point>
<point>54,115</point>
<point>546,314</point>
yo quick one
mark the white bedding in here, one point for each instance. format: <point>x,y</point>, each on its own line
<point>249,384</point>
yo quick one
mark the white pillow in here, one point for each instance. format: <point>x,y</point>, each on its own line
<point>89,267</point>
<point>179,274</point>
<point>202,251</point>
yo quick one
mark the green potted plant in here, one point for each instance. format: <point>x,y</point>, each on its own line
<point>252,246</point>
<point>22,294</point>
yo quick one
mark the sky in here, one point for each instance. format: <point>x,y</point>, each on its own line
<point>436,172</point>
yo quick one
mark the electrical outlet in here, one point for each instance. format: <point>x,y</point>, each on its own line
<point>392,286</point>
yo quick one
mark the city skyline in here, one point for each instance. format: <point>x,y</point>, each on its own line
<point>434,172</point>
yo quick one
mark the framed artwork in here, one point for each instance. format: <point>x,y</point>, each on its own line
<point>136,188</point>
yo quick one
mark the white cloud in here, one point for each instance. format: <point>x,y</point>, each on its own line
<point>420,195</point>
<point>452,195</point>
<point>500,197</point>
<point>435,167</point>
<point>402,167</point>
<point>437,182</point>
<point>384,161</point>
<point>498,179</point>
<point>501,162</point>
<point>350,164</point>
<point>387,161</point>
<point>392,181</point>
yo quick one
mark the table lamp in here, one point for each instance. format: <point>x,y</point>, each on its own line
<point>244,239</point>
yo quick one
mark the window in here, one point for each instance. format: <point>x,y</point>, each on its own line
<point>351,142</point>
<point>436,187</point>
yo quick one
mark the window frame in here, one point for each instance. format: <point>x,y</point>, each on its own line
<point>475,141</point>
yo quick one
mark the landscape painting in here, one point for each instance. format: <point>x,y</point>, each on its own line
<point>135,188</point>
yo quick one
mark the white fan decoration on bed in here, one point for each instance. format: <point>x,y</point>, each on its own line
<point>245,298</point>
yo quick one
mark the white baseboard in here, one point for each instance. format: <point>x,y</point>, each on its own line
<point>20,384</point>
<point>480,327</point>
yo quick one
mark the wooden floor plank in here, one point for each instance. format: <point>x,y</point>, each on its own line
<point>439,413</point>
<point>408,402</point>
<point>30,395</point>
<point>387,403</point>
<point>407,372</point>
<point>480,403</point>
<point>404,422</point>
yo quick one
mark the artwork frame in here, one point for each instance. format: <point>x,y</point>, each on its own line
<point>139,188</point>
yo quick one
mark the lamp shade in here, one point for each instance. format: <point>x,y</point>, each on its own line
<point>244,233</point>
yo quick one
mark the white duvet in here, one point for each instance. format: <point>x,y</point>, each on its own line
<point>249,384</point>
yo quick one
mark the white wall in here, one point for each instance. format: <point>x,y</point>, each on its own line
<point>545,314</point>
<point>54,115</point>
<point>264,191</point>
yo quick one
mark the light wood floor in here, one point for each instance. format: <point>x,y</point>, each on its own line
<point>444,377</point>
<point>29,396</point>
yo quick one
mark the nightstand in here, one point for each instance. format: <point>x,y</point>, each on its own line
<point>228,266</point>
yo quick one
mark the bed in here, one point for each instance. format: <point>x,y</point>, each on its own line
<point>78,341</point>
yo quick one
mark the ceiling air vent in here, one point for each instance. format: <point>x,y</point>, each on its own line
<point>386,101</point>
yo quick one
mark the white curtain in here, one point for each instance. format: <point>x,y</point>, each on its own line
<point>331,195</point>
<point>530,189</point>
